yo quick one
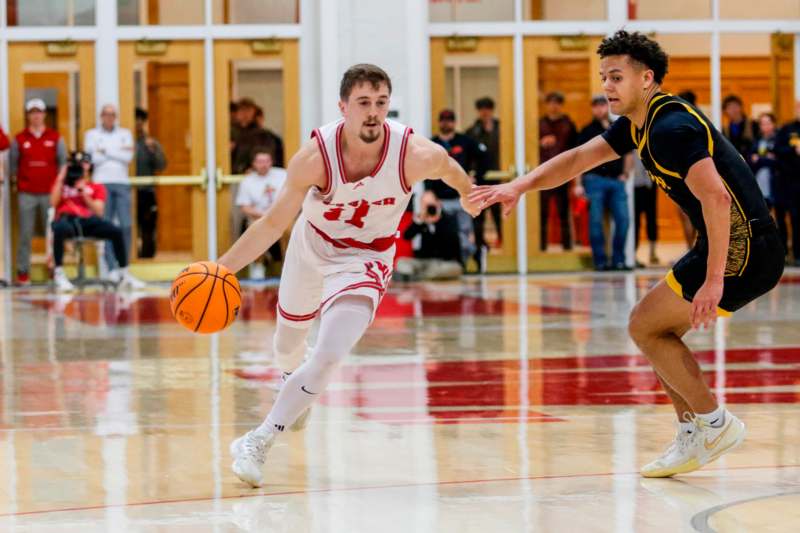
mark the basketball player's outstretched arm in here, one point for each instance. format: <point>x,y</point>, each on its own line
<point>305,171</point>
<point>548,175</point>
<point>427,160</point>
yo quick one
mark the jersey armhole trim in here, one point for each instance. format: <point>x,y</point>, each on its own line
<point>402,163</point>
<point>328,173</point>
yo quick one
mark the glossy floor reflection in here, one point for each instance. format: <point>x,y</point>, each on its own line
<point>494,404</point>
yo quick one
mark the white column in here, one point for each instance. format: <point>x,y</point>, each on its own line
<point>106,58</point>
<point>329,53</point>
<point>716,70</point>
<point>310,53</point>
<point>5,189</point>
<point>617,13</point>
<point>211,154</point>
<point>519,143</point>
<point>796,67</point>
<point>418,91</point>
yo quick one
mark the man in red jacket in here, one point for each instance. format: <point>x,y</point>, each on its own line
<point>38,157</point>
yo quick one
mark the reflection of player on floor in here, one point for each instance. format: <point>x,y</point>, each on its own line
<point>738,255</point>
<point>353,181</point>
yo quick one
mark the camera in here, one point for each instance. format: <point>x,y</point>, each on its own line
<point>432,210</point>
<point>75,167</point>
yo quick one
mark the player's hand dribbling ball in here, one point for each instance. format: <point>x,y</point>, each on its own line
<point>205,297</point>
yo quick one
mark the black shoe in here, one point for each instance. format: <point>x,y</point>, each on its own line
<point>601,268</point>
<point>621,267</point>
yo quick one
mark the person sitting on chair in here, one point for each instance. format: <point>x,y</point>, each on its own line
<point>79,206</point>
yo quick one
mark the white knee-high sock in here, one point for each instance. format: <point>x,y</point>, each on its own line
<point>341,326</point>
<point>289,347</point>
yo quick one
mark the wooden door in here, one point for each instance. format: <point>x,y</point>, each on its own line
<point>172,89</point>
<point>168,103</point>
<point>500,51</point>
<point>58,118</point>
<point>71,79</point>
<point>227,54</point>
<point>549,66</point>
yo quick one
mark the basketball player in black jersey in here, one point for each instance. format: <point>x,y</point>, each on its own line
<point>737,257</point>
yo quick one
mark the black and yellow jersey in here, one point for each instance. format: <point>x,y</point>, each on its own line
<point>675,136</point>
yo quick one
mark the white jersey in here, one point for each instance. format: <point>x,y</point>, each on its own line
<point>343,242</point>
<point>367,211</point>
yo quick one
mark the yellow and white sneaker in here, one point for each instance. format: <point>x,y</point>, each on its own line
<point>679,458</point>
<point>714,442</point>
<point>690,451</point>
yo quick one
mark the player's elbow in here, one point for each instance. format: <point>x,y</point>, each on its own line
<point>721,199</point>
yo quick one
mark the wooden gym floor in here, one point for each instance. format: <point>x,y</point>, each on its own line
<point>491,404</point>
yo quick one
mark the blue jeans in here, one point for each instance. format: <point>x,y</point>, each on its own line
<point>118,211</point>
<point>607,193</point>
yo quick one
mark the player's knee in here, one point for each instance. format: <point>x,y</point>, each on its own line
<point>638,327</point>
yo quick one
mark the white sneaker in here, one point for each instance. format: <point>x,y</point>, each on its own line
<point>62,282</point>
<point>713,442</point>
<point>679,458</point>
<point>249,453</point>
<point>690,451</point>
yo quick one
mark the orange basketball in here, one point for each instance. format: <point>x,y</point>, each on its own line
<point>205,297</point>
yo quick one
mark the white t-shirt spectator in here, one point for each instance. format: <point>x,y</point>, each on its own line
<point>260,192</point>
<point>111,152</point>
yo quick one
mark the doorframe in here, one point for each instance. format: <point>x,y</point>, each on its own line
<point>208,33</point>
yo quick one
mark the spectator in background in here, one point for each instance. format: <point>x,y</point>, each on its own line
<point>739,129</point>
<point>38,158</point>
<point>689,96</point>
<point>255,196</point>
<point>233,118</point>
<point>762,156</point>
<point>469,155</point>
<point>557,133</point>
<point>605,187</point>
<point>438,254</point>
<point>486,132</point>
<point>150,160</point>
<point>111,149</point>
<point>787,186</point>
<point>644,203</point>
<point>79,207</point>
<point>250,137</point>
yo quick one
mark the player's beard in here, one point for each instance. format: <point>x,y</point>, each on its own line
<point>368,136</point>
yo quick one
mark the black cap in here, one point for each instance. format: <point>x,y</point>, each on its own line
<point>447,114</point>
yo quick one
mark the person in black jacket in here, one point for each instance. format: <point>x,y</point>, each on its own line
<point>437,255</point>
<point>472,159</point>
<point>787,186</point>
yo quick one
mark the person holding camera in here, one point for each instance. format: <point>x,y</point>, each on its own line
<point>79,205</point>
<point>438,255</point>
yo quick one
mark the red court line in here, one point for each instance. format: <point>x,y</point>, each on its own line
<point>373,487</point>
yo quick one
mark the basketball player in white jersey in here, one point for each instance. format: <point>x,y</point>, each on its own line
<point>353,180</point>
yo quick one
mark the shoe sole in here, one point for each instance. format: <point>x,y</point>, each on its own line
<point>689,466</point>
<point>245,478</point>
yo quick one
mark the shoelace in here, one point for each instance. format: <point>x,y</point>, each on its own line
<point>256,446</point>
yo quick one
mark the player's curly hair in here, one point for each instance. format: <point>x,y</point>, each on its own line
<point>638,47</point>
